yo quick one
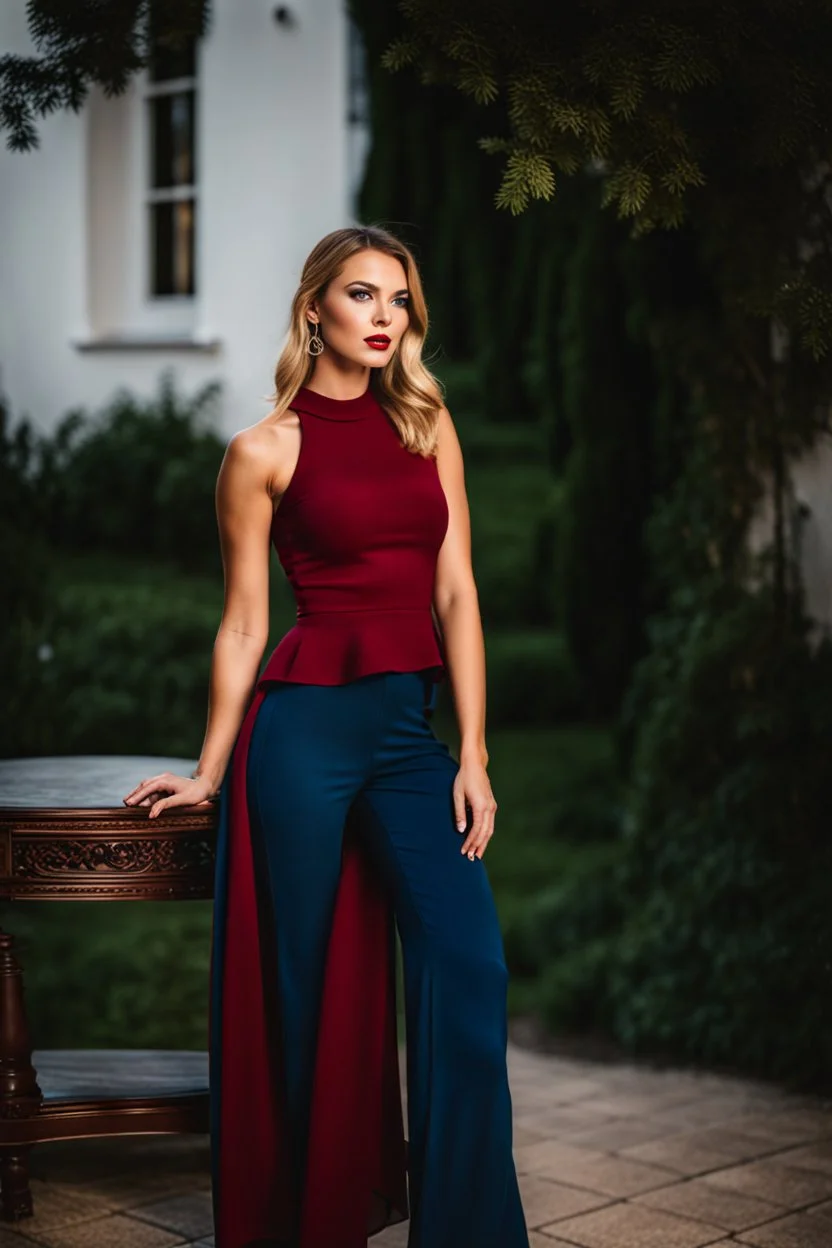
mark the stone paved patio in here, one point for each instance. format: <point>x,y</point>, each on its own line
<point>609,1156</point>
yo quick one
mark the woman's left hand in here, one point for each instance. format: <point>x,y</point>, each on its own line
<point>472,787</point>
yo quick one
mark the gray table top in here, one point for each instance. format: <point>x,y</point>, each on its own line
<point>82,1073</point>
<point>82,781</point>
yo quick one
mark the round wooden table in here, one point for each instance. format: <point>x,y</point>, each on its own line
<point>65,835</point>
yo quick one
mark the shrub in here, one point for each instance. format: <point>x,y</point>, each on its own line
<point>530,679</point>
<point>137,479</point>
<point>128,672</point>
<point>727,954</point>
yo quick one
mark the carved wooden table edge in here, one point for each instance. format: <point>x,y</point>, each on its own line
<point>87,854</point>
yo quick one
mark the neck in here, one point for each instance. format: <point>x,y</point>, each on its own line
<point>333,383</point>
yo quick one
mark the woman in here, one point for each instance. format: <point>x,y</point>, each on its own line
<point>341,809</point>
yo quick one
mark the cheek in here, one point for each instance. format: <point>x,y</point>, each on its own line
<point>347,315</point>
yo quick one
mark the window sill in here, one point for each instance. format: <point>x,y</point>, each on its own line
<point>147,342</point>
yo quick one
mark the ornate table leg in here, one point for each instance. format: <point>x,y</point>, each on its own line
<point>20,1096</point>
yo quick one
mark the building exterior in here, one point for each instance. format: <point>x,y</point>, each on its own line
<point>165,228</point>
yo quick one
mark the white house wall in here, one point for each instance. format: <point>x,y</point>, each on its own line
<point>273,174</point>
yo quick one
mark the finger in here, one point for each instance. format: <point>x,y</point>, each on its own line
<point>459,809</point>
<point>483,846</point>
<point>153,785</point>
<point>167,803</point>
<point>486,833</point>
<point>476,824</point>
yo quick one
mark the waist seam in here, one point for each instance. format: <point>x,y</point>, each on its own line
<point>365,611</point>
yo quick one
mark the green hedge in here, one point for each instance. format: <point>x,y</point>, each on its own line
<point>705,930</point>
<point>135,479</point>
<point>531,679</point>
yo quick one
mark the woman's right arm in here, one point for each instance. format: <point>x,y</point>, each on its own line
<point>244,516</point>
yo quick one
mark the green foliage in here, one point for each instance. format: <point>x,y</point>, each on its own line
<point>712,113</point>
<point>607,481</point>
<point>426,178</point>
<point>706,932</point>
<point>137,479</point>
<point>129,669</point>
<point>136,974</point>
<point>506,506</point>
<point>726,956</point>
<point>531,679</point>
<point>102,42</point>
<point>125,664</point>
<point>26,578</point>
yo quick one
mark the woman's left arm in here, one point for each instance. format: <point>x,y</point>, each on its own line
<point>456,603</point>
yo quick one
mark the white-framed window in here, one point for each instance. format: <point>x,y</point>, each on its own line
<point>171,177</point>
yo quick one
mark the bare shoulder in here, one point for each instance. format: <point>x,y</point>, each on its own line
<point>257,455</point>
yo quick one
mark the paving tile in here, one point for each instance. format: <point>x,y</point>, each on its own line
<point>704,1112</point>
<point>617,1134</point>
<point>559,1119</point>
<point>84,1161</point>
<point>392,1237</point>
<point>633,1226</point>
<point>799,1230</point>
<point>694,1198</point>
<point>538,1240</point>
<point>770,1180</point>
<point>113,1231</point>
<point>695,1152</point>
<point>523,1135</point>
<point>545,1200</point>
<point>795,1126</point>
<point>568,1091</point>
<point>810,1157</point>
<point>56,1206</point>
<point>15,1233</point>
<point>190,1214</point>
<point>597,1172</point>
<point>128,1191</point>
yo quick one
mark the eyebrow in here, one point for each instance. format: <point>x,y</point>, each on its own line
<point>371,286</point>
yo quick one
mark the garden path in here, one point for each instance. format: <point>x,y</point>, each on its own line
<point>609,1154</point>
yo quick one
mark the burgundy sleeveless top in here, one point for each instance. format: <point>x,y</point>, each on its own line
<point>357,532</point>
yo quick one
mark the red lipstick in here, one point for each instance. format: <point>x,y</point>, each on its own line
<point>380,342</point>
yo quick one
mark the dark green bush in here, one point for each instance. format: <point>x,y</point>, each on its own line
<point>707,932</point>
<point>25,586</point>
<point>729,851</point>
<point>130,976</point>
<point>128,672</point>
<point>531,679</point>
<point>507,502</point>
<point>137,479</point>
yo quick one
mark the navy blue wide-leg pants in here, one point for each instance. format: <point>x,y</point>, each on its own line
<point>315,751</point>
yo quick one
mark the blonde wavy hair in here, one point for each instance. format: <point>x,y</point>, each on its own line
<point>406,389</point>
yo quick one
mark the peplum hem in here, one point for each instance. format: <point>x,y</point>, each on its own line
<point>335,647</point>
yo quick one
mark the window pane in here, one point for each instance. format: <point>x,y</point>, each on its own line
<point>172,140</point>
<point>172,248</point>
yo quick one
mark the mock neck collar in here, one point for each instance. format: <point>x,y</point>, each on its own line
<point>361,406</point>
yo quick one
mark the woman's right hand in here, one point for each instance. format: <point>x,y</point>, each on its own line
<point>180,790</point>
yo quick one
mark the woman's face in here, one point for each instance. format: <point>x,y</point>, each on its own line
<point>368,299</point>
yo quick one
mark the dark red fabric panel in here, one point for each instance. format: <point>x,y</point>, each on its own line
<point>357,1147</point>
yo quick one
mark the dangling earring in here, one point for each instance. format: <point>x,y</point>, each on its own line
<point>316,343</point>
